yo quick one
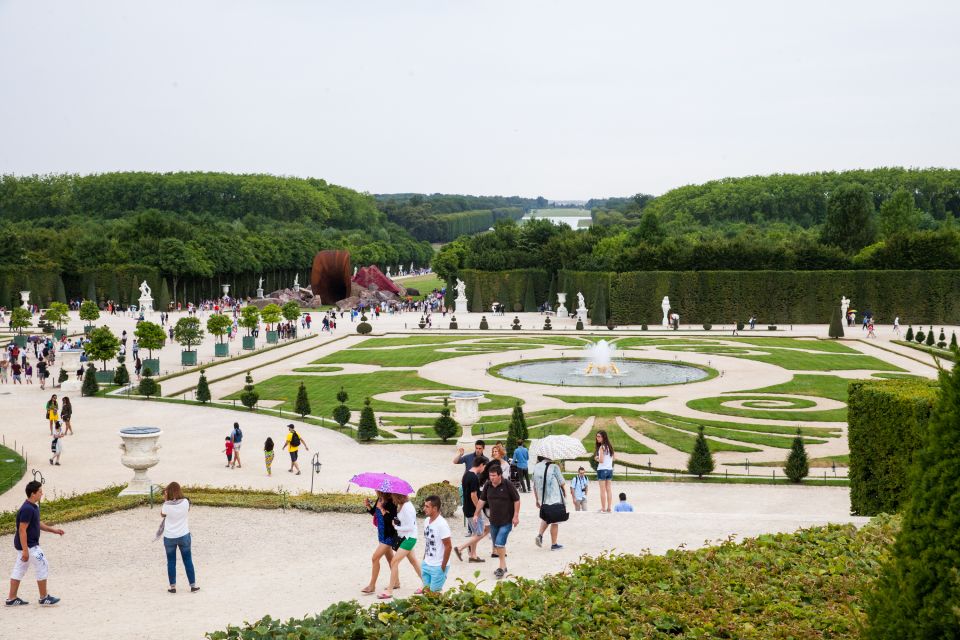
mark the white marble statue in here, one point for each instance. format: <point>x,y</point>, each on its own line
<point>296,282</point>
<point>354,271</point>
<point>581,303</point>
<point>561,304</point>
<point>665,305</point>
<point>388,272</point>
<point>461,304</point>
<point>461,289</point>
<point>260,283</point>
<point>411,268</point>
<point>844,305</point>
<point>145,290</point>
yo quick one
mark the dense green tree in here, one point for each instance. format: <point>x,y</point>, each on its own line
<point>20,319</point>
<point>249,318</point>
<point>917,593</point>
<point>291,312</point>
<point>90,386</point>
<point>271,315</point>
<point>103,345</point>
<point>203,388</point>
<point>444,426</point>
<point>187,331</point>
<point>850,221</point>
<point>700,462</point>
<point>367,427</point>
<point>89,312</point>
<point>121,376</point>
<point>898,214</point>
<point>302,405</point>
<point>517,430</point>
<point>218,325</point>
<point>150,336</point>
<point>163,299</point>
<point>249,396</point>
<point>798,465</point>
<point>57,314</point>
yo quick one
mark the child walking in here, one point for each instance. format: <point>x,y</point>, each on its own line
<point>56,446</point>
<point>228,449</point>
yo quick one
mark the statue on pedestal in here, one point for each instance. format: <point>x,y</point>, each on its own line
<point>145,290</point>
<point>296,282</point>
<point>844,305</point>
<point>665,305</point>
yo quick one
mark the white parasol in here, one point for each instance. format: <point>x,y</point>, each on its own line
<point>557,448</point>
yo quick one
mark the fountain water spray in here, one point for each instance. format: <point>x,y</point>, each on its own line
<point>600,360</point>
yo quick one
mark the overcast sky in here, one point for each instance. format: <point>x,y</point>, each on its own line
<point>568,100</point>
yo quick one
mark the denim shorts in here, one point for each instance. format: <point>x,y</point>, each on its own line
<point>499,533</point>
<point>604,474</point>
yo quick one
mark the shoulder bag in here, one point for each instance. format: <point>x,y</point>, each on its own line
<point>552,513</point>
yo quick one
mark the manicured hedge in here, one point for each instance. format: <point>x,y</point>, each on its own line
<point>885,420</point>
<point>784,297</point>
<point>809,584</point>
<point>595,287</point>
<point>527,288</point>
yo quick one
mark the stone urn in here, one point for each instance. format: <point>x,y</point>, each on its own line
<point>25,299</point>
<point>140,452</point>
<point>562,305</point>
<point>467,412</point>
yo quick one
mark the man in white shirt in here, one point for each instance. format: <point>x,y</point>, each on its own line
<point>436,553</point>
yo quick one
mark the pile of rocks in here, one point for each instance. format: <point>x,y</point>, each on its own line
<point>302,296</point>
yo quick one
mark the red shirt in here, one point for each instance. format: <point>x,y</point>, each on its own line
<point>229,446</point>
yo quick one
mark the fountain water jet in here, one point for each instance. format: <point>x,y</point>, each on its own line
<point>600,361</point>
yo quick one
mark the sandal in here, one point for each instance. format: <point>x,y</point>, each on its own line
<point>459,553</point>
<point>368,591</point>
<point>418,592</point>
<point>384,596</point>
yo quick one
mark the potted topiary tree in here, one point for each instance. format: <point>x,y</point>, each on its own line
<point>57,314</point>
<point>150,336</point>
<point>249,319</point>
<point>188,333</point>
<point>291,313</point>
<point>103,346</point>
<point>89,312</point>
<point>20,319</point>
<point>218,325</point>
<point>271,315</point>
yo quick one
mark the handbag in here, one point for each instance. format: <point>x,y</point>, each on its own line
<point>552,513</point>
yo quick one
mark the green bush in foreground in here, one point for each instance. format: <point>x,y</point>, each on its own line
<point>918,593</point>
<point>804,585</point>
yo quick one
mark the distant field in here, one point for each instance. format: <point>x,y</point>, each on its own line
<point>424,284</point>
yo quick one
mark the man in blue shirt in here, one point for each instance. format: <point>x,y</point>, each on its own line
<point>623,506</point>
<point>521,459</point>
<point>26,540</point>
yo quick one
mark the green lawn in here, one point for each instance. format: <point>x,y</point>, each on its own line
<point>815,463</point>
<point>424,284</point>
<point>752,437</point>
<point>317,369</point>
<point>779,429</point>
<point>833,387</point>
<point>827,346</point>
<point>715,405</point>
<point>795,360</point>
<point>11,468</point>
<point>611,399</point>
<point>415,356</point>
<point>322,390</point>
<point>562,341</point>
<point>492,401</point>
<point>656,341</point>
<point>621,442</point>
<point>407,341</point>
<point>679,440</point>
<point>897,376</point>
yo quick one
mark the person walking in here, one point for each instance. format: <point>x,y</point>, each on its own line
<point>66,413</point>
<point>477,529</point>
<point>550,492</point>
<point>521,458</point>
<point>504,501</point>
<point>436,547</point>
<point>603,454</point>
<point>293,444</point>
<point>26,541</point>
<point>237,436</point>
<point>467,459</point>
<point>175,529</point>
<point>268,455</point>
<point>42,373</point>
<point>623,506</point>
<point>896,325</point>
<point>56,446</point>
<point>499,455</point>
<point>52,409</point>
<point>384,511</point>
<point>406,523</point>
<point>579,487</point>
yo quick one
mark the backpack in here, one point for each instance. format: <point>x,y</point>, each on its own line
<point>295,440</point>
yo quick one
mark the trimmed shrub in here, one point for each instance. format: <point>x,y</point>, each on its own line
<point>920,335</point>
<point>942,340</point>
<point>90,386</point>
<point>909,336</point>
<point>516,324</point>
<point>449,498</point>
<point>453,323</point>
<point>302,406</point>
<point>63,377</point>
<point>579,324</point>
<point>121,376</point>
<point>517,429</point>
<point>148,386</point>
<point>798,466</point>
<point>930,339</point>
<point>203,388</point>
<point>885,420</point>
<point>836,324</point>
<point>547,326</point>
<point>707,326</point>
<point>700,462</point>
<point>367,428</point>
<point>445,427</point>
<point>953,340</point>
<point>364,327</point>
<point>483,323</point>
<point>249,397</point>
<point>917,593</point>
<point>341,413</point>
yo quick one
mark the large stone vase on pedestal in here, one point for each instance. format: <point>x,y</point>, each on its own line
<point>467,411</point>
<point>562,305</point>
<point>140,452</point>
<point>25,299</point>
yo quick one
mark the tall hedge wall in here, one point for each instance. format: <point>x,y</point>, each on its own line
<point>886,419</point>
<point>512,288</point>
<point>595,287</point>
<point>777,297</point>
<point>454,225</point>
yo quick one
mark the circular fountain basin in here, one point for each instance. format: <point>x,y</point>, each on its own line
<point>570,372</point>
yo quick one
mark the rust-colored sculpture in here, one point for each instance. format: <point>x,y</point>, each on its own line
<point>330,276</point>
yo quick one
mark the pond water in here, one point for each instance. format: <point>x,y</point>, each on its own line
<point>572,373</point>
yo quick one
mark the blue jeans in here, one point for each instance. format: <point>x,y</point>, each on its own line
<point>499,534</point>
<point>171,545</point>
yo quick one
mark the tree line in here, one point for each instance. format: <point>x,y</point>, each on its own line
<point>444,217</point>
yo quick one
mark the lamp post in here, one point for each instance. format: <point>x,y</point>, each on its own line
<point>315,465</point>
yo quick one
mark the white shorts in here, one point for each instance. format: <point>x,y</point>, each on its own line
<point>236,446</point>
<point>37,559</point>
